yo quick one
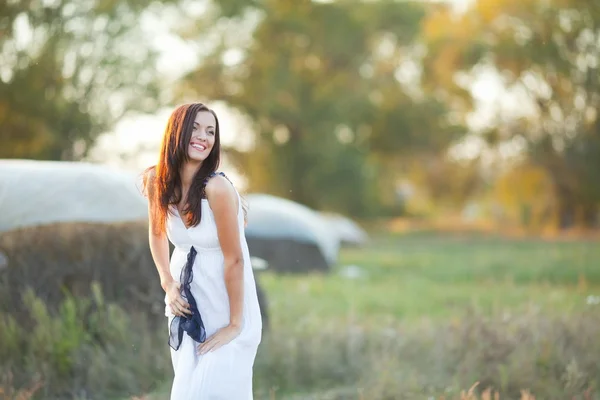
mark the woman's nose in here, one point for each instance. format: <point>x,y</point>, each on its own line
<point>201,136</point>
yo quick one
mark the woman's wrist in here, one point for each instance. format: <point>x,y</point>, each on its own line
<point>237,325</point>
<point>165,283</point>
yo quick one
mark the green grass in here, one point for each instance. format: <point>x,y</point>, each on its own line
<point>419,285</point>
<point>407,278</point>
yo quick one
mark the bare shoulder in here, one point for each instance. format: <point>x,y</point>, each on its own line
<point>219,188</point>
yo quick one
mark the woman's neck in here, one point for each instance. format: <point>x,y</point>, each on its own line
<point>188,170</point>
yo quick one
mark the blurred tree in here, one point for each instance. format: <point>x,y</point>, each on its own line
<point>525,192</point>
<point>547,51</point>
<point>68,70</point>
<point>334,93</point>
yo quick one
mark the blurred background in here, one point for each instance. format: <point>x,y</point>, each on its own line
<point>423,181</point>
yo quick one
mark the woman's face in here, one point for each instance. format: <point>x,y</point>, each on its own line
<point>203,136</point>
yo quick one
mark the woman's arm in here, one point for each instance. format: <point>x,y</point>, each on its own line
<point>224,204</point>
<point>159,248</point>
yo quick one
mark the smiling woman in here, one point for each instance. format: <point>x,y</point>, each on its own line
<point>203,136</point>
<point>210,294</point>
<point>183,168</point>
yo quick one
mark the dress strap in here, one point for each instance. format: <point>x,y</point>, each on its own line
<point>213,174</point>
<point>240,200</point>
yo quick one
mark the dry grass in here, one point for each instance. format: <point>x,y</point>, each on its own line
<point>7,392</point>
<point>513,356</point>
<point>553,358</point>
<point>403,332</point>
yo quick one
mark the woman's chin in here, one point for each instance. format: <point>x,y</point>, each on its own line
<point>196,158</point>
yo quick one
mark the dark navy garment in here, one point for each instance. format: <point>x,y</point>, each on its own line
<point>192,324</point>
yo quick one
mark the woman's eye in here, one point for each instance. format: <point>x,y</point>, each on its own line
<point>211,132</point>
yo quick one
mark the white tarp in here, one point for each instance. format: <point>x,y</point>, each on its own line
<point>43,192</point>
<point>348,231</point>
<point>271,217</point>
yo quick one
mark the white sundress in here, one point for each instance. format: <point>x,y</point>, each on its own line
<point>225,374</point>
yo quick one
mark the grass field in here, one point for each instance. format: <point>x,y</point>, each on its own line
<point>412,277</point>
<point>428,315</point>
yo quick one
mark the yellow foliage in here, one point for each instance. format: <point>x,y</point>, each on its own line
<point>526,189</point>
<point>450,36</point>
<point>438,25</point>
<point>489,10</point>
<point>523,184</point>
<point>444,24</point>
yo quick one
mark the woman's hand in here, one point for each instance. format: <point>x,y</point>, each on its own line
<point>221,338</point>
<point>178,305</point>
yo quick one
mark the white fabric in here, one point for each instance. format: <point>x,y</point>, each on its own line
<point>347,230</point>
<point>43,192</point>
<point>272,217</point>
<point>225,374</point>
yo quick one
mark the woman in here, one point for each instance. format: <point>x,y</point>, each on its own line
<point>211,303</point>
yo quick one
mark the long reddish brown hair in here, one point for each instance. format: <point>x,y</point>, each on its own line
<point>162,182</point>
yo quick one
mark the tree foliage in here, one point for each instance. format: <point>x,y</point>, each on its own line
<point>549,53</point>
<point>68,70</point>
<point>334,115</point>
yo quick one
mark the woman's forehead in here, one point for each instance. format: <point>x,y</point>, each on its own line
<point>205,118</point>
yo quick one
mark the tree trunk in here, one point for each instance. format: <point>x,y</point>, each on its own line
<point>566,208</point>
<point>590,215</point>
<point>298,166</point>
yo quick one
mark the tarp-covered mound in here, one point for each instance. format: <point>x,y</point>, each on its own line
<point>349,232</point>
<point>44,192</point>
<point>55,258</point>
<point>70,256</point>
<point>289,235</point>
